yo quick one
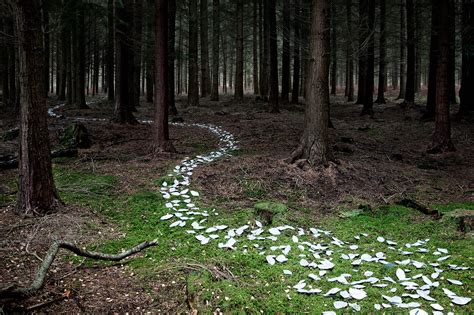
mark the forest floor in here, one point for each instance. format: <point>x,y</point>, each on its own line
<point>111,203</point>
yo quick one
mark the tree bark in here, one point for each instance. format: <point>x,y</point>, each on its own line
<point>46,45</point>
<point>149,58</point>
<point>431,98</point>
<point>367,99</point>
<point>162,141</point>
<point>441,141</point>
<point>273,50</point>
<point>264,56</point>
<point>81,58</point>
<point>285,65</point>
<point>314,144</point>
<point>193,82</point>
<point>110,52</point>
<point>255,37</point>
<point>123,105</point>
<point>136,45</point>
<point>215,50</point>
<point>402,71</point>
<point>333,49</point>
<point>239,51</point>
<point>36,192</point>
<point>466,94</point>
<point>382,55</point>
<point>350,57</point>
<point>296,53</point>
<point>171,57</point>
<point>410,81</point>
<point>364,33</point>
<point>205,79</point>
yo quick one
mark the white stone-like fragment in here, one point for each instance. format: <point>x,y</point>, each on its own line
<point>340,304</point>
<point>287,272</point>
<point>418,311</point>
<point>166,217</point>
<point>271,259</point>
<point>456,282</point>
<point>380,239</point>
<point>332,291</point>
<point>459,300</point>
<point>437,307</point>
<point>401,274</point>
<point>357,293</point>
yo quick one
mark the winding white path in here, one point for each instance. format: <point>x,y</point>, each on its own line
<point>314,250</point>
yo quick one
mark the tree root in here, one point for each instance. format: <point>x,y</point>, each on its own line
<point>12,291</point>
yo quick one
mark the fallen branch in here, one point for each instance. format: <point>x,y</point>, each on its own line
<point>409,203</point>
<point>13,291</point>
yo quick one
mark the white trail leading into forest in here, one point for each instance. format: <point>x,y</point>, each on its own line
<point>314,250</point>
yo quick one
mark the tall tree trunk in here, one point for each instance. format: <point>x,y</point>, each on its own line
<point>46,45</point>
<point>193,82</point>
<point>364,34</point>
<point>431,98</point>
<point>466,94</point>
<point>273,50</point>
<point>333,50</point>
<point>62,61</point>
<point>239,51</point>
<point>402,50</point>
<point>81,58</point>
<point>224,63</point>
<point>264,55</point>
<point>296,53</point>
<point>162,141</point>
<point>123,105</point>
<point>36,192</point>
<point>369,85</point>
<point>136,51</point>
<point>452,58</point>
<point>110,51</point>
<point>205,78</point>
<point>255,37</point>
<point>350,57</point>
<point>382,55</point>
<point>442,135</point>
<point>419,31</point>
<point>149,58</point>
<point>410,82</point>
<point>314,144</point>
<point>285,66</point>
<point>215,50</point>
<point>171,56</point>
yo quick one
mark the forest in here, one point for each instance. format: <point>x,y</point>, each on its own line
<point>237,156</point>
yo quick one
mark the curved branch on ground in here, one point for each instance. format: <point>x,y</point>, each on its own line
<point>15,292</point>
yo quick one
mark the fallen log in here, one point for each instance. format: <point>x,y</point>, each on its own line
<point>12,291</point>
<point>13,163</point>
<point>410,203</point>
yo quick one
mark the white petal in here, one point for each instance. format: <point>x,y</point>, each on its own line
<point>401,274</point>
<point>166,217</point>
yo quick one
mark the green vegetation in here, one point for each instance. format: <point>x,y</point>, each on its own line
<point>257,286</point>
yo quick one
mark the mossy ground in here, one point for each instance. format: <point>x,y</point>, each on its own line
<point>257,286</point>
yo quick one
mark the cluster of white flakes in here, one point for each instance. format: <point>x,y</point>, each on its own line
<point>314,251</point>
